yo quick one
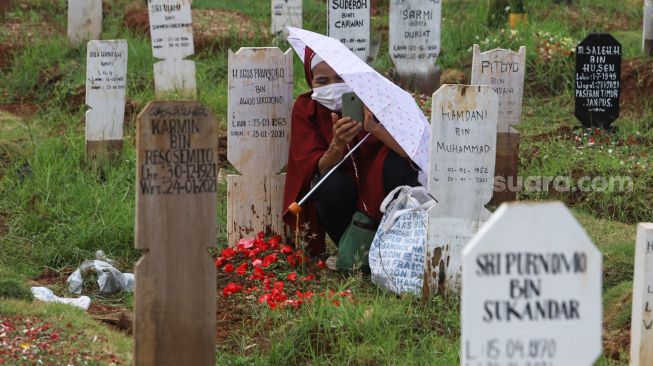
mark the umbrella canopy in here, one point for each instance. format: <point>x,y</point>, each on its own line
<point>393,107</point>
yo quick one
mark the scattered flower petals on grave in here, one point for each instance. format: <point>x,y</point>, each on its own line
<point>279,276</point>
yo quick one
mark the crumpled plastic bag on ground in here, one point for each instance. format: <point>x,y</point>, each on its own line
<point>45,294</point>
<point>109,279</point>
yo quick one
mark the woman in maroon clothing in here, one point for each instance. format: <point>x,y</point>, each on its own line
<point>319,139</point>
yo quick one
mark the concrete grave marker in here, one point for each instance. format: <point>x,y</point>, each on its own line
<point>171,29</point>
<point>286,13</point>
<point>415,43</point>
<point>641,326</point>
<point>647,36</point>
<point>106,86</point>
<point>176,180</point>
<point>349,22</point>
<point>84,21</point>
<point>531,290</point>
<point>503,70</point>
<point>260,104</point>
<point>598,80</point>
<point>461,174</point>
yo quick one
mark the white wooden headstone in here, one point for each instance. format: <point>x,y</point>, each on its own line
<point>106,86</point>
<point>260,104</point>
<point>349,22</point>
<point>647,38</point>
<point>171,29</point>
<point>641,327</point>
<point>461,176</point>
<point>84,21</point>
<point>286,13</point>
<point>503,70</point>
<point>531,290</point>
<point>415,41</point>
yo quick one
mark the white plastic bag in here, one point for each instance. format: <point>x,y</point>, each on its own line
<point>109,279</point>
<point>46,295</point>
<point>397,252</point>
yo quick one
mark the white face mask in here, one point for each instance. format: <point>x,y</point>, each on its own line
<point>330,95</point>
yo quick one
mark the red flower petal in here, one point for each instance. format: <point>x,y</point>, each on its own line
<point>292,277</point>
<point>287,249</point>
<point>228,268</point>
<point>242,269</point>
<point>231,289</point>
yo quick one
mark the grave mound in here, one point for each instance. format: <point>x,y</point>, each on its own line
<point>208,34</point>
<point>637,84</point>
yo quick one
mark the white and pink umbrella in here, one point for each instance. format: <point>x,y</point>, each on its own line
<point>393,107</point>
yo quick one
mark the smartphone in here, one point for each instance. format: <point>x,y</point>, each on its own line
<point>352,107</point>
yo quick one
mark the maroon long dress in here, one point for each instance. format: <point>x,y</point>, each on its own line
<point>310,136</point>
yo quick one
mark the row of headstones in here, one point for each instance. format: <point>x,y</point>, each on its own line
<point>106,72</point>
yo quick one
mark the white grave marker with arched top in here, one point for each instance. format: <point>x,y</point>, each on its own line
<point>531,290</point>
<point>286,13</point>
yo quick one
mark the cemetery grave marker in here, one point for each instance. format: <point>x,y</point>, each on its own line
<point>176,181</point>
<point>106,86</point>
<point>598,80</point>
<point>647,37</point>
<point>461,175</point>
<point>349,22</point>
<point>641,331</point>
<point>286,13</point>
<point>415,43</point>
<point>260,104</point>
<point>171,29</point>
<point>531,295</point>
<point>84,21</point>
<point>503,70</point>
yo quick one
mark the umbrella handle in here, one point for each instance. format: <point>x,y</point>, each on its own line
<point>296,207</point>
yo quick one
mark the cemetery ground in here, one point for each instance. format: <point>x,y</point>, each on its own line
<point>56,210</point>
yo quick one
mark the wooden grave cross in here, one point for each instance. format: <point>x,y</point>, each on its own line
<point>285,13</point>
<point>260,102</point>
<point>84,21</point>
<point>531,291</point>
<point>175,287</point>
<point>171,30</point>
<point>461,173</point>
<point>641,325</point>
<point>349,22</point>
<point>503,70</point>
<point>415,43</point>
<point>106,86</point>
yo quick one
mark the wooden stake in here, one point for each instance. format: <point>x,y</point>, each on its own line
<point>175,288</point>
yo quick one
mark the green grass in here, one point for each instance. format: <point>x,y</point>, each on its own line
<point>56,210</point>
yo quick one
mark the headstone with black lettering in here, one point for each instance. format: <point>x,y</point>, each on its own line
<point>260,104</point>
<point>531,295</point>
<point>171,30</point>
<point>598,80</point>
<point>106,86</point>
<point>415,43</point>
<point>84,21</point>
<point>641,326</point>
<point>647,36</point>
<point>461,175</point>
<point>349,22</point>
<point>176,181</point>
<point>503,70</point>
<point>286,13</point>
